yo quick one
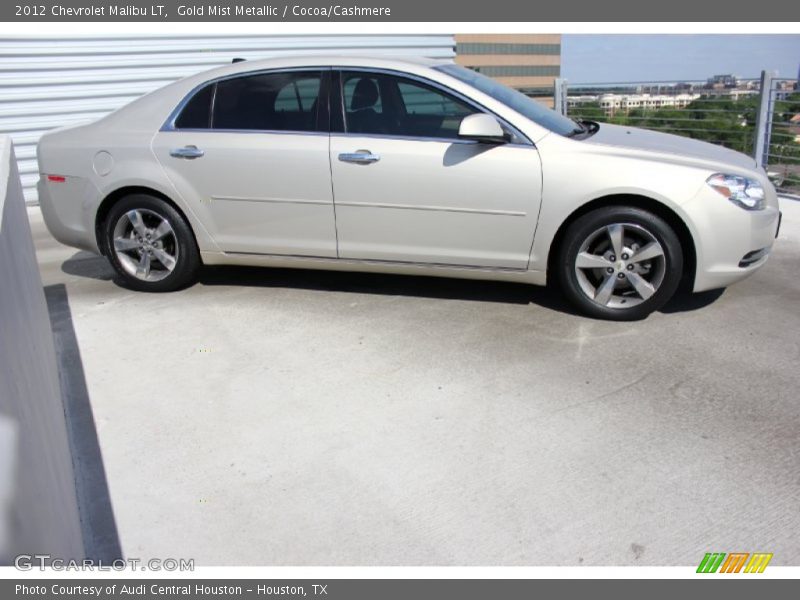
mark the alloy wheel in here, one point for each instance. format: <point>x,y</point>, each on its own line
<point>620,265</point>
<point>145,244</point>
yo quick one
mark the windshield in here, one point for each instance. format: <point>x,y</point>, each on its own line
<point>515,100</point>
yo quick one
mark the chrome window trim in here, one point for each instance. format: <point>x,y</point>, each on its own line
<point>411,138</point>
<point>212,107</point>
<point>169,124</point>
<point>435,84</point>
<point>262,131</point>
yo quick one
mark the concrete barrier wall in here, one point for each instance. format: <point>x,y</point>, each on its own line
<point>8,462</point>
<point>44,510</point>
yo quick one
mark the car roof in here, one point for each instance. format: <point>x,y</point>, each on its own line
<point>387,61</point>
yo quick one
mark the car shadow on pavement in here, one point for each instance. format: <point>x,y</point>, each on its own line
<point>685,301</point>
<point>85,264</point>
<point>99,528</point>
<point>387,285</point>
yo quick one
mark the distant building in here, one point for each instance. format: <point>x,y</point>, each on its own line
<point>794,127</point>
<point>613,103</point>
<point>722,81</point>
<point>732,94</point>
<point>648,101</point>
<point>528,62</point>
<point>784,89</point>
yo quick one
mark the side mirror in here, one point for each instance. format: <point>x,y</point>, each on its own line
<point>482,128</point>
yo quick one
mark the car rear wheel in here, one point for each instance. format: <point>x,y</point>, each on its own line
<point>620,263</point>
<point>150,245</point>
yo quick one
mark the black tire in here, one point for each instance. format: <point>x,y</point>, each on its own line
<point>178,245</point>
<point>630,298</point>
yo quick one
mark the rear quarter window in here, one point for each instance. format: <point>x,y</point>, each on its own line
<point>197,112</point>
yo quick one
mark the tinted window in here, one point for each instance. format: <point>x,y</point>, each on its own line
<point>365,83</point>
<point>299,95</point>
<point>270,101</point>
<point>197,112</point>
<point>388,105</point>
<point>429,112</point>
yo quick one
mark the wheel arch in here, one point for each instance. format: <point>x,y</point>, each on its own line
<point>637,201</point>
<point>118,194</point>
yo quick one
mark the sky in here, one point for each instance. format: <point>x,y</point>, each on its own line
<point>620,58</point>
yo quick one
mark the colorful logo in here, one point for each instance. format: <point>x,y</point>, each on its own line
<point>733,562</point>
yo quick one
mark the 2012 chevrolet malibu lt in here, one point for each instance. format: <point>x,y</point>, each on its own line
<point>412,167</point>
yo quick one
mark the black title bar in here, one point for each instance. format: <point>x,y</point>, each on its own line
<point>711,11</point>
<point>731,588</point>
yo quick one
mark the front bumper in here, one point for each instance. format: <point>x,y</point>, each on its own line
<point>731,243</point>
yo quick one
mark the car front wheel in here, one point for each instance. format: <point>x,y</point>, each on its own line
<point>620,263</point>
<point>150,245</point>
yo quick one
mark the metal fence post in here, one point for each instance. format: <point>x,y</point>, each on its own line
<point>763,120</point>
<point>560,95</point>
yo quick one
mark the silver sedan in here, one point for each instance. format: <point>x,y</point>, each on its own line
<point>410,167</point>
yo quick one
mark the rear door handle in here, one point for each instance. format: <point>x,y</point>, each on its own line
<point>187,152</point>
<point>361,157</point>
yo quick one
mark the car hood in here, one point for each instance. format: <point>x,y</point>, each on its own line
<point>664,143</point>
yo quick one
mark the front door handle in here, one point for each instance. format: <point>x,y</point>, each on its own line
<point>360,157</point>
<point>187,152</point>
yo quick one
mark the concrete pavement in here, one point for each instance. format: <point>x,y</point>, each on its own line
<point>276,417</point>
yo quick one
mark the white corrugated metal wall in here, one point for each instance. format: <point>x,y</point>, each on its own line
<point>48,82</point>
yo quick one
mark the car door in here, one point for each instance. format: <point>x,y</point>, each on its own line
<point>407,189</point>
<point>250,155</point>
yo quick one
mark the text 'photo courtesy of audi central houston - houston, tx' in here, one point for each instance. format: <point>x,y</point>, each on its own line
<point>402,166</point>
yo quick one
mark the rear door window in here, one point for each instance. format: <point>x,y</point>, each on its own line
<point>268,102</point>
<point>263,102</point>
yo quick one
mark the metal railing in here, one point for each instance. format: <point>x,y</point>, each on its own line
<point>765,125</point>
<point>781,141</point>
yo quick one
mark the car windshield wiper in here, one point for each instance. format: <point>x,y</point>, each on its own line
<point>590,126</point>
<point>584,128</point>
<point>580,129</point>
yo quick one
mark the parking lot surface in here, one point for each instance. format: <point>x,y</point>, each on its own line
<point>279,417</point>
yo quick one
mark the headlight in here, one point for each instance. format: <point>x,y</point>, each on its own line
<point>744,192</point>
